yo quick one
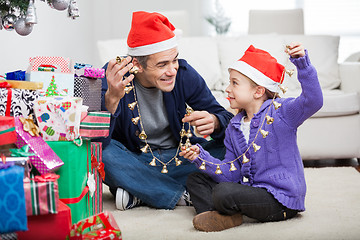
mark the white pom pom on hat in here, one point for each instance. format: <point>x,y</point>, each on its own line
<point>260,67</point>
<point>151,33</point>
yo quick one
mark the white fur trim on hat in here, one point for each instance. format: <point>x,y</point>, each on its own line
<point>255,75</point>
<point>153,48</point>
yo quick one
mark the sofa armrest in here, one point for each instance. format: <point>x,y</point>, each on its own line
<point>350,76</point>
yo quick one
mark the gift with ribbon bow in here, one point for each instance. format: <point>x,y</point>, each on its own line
<point>97,168</point>
<point>16,102</point>
<point>12,204</point>
<point>41,194</point>
<point>45,159</point>
<point>106,228</point>
<point>7,130</point>
<point>95,124</point>
<point>77,184</point>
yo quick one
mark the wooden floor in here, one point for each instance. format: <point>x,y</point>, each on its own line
<point>353,162</point>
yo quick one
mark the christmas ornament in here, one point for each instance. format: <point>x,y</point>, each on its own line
<point>8,22</point>
<point>22,28</point>
<point>73,10</point>
<point>60,5</point>
<point>31,17</point>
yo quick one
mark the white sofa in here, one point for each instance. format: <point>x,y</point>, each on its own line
<point>332,133</point>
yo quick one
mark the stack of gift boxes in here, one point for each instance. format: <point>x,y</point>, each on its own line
<point>51,168</point>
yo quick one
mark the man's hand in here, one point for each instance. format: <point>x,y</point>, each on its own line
<point>116,82</point>
<point>192,153</point>
<point>204,122</point>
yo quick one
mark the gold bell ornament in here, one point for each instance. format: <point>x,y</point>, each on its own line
<point>269,120</point>
<point>232,167</point>
<point>203,166</point>
<point>256,147</point>
<point>164,170</point>
<point>153,162</point>
<point>218,170</point>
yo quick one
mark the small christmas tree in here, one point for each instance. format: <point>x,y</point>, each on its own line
<point>52,89</point>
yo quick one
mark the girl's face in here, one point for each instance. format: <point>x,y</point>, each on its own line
<point>240,91</point>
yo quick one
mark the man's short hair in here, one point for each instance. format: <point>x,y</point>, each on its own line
<point>142,60</point>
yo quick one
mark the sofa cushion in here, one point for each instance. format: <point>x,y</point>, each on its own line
<point>336,103</point>
<point>201,53</point>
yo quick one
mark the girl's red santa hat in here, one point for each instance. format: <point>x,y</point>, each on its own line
<point>150,33</point>
<point>260,67</point>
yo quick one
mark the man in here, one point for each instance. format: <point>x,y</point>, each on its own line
<point>148,123</point>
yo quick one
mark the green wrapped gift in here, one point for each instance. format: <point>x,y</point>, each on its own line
<point>77,184</point>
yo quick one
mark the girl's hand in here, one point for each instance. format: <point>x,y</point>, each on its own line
<point>192,153</point>
<point>295,50</point>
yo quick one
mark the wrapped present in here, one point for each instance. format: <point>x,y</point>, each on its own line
<point>90,72</point>
<point>89,89</point>
<point>77,183</point>
<point>52,71</point>
<point>7,130</point>
<point>97,168</point>
<point>58,117</point>
<point>94,124</point>
<point>12,199</point>
<point>41,194</point>
<point>49,226</point>
<point>16,102</point>
<point>46,159</point>
<point>24,84</point>
<point>16,75</point>
<point>104,224</point>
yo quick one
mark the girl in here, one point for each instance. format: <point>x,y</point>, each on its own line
<point>262,175</point>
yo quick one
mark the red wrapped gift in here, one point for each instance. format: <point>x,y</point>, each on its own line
<point>49,226</point>
<point>41,194</point>
<point>104,227</point>
<point>7,130</point>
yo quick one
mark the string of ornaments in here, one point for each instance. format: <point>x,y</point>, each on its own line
<point>20,15</point>
<point>187,133</point>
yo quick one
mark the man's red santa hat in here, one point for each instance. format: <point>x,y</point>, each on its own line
<point>260,67</point>
<point>150,33</point>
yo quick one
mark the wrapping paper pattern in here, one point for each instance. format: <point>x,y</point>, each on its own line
<point>89,89</point>
<point>7,130</point>
<point>95,124</point>
<point>97,168</point>
<point>58,117</point>
<point>62,64</point>
<point>46,160</point>
<point>22,101</point>
<point>41,194</point>
<point>24,84</point>
<point>64,81</point>
<point>51,226</point>
<point>90,72</point>
<point>107,228</point>
<point>75,176</point>
<point>12,200</point>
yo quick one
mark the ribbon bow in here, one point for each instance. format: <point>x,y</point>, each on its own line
<point>48,177</point>
<point>21,152</point>
<point>29,126</point>
<point>98,166</point>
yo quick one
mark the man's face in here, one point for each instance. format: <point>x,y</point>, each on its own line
<point>161,70</point>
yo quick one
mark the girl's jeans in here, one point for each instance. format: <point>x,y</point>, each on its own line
<point>132,172</point>
<point>230,198</point>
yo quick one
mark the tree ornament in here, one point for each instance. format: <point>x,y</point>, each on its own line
<point>269,120</point>
<point>73,10</point>
<point>290,72</point>
<point>182,132</point>
<point>145,148</point>
<point>232,167</point>
<point>218,170</point>
<point>132,105</point>
<point>60,5</point>
<point>164,170</point>
<point>177,161</point>
<point>143,135</point>
<point>128,89</point>
<point>276,105</point>
<point>283,89</point>
<point>245,159</point>
<point>31,17</point>
<point>22,28</point>
<point>256,147</point>
<point>203,166</point>
<point>135,120</point>
<point>153,162</point>
<point>134,70</point>
<point>264,133</point>
<point>9,21</point>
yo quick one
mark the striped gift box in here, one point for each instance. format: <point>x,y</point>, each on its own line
<point>94,124</point>
<point>97,168</point>
<point>41,194</point>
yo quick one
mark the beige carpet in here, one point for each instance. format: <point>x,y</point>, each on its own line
<point>332,212</point>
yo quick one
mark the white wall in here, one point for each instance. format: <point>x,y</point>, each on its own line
<point>57,35</point>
